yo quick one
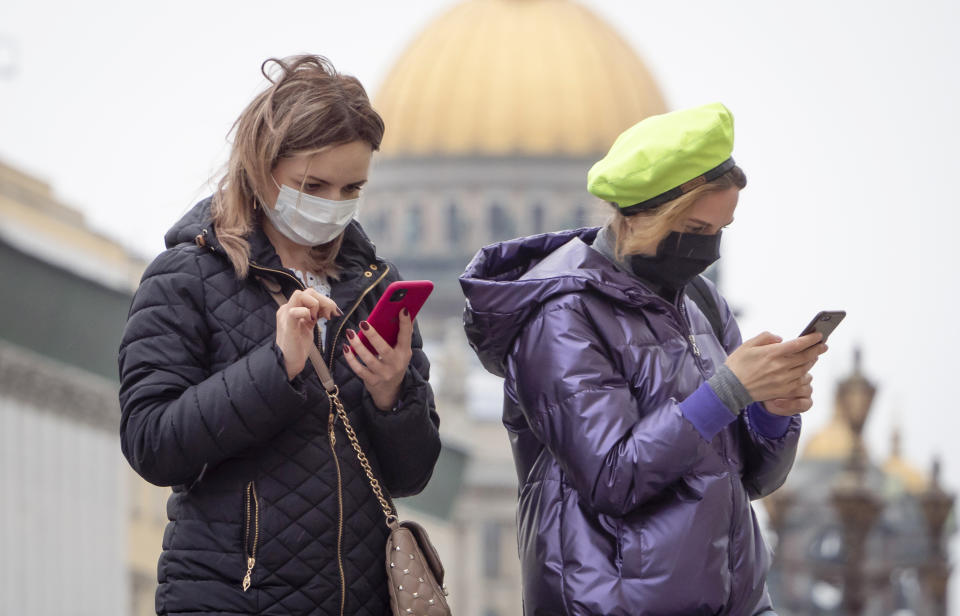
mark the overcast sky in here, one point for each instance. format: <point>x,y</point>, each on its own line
<point>847,126</point>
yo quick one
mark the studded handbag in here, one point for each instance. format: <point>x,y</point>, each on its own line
<point>414,571</point>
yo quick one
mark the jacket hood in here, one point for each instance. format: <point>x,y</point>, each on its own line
<point>506,283</point>
<point>357,249</point>
<point>190,225</point>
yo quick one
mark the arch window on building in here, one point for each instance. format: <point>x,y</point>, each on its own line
<point>502,226</point>
<point>413,231</point>
<point>491,550</point>
<point>455,225</point>
<point>383,224</point>
<point>579,217</point>
<point>374,222</point>
<point>538,218</point>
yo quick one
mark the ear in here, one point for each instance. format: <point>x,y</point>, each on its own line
<point>632,224</point>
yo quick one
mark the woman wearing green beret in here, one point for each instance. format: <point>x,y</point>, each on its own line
<point>640,430</point>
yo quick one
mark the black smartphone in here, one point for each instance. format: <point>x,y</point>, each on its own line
<point>825,322</point>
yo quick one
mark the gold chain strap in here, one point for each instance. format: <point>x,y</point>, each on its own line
<point>388,513</point>
<point>333,392</point>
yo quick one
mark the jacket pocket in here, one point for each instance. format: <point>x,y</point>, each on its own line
<point>251,531</point>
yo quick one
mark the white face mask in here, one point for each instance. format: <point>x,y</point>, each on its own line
<point>308,220</point>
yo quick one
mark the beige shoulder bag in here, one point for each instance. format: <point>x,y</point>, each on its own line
<point>414,570</point>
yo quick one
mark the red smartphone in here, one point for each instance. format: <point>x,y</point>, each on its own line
<point>825,322</point>
<point>385,317</point>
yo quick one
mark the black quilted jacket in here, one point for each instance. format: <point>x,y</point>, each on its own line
<point>258,486</point>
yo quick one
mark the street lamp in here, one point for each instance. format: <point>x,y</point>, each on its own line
<point>936,505</point>
<point>858,509</point>
<point>856,506</point>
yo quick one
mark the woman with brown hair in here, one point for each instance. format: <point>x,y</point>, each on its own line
<point>270,511</point>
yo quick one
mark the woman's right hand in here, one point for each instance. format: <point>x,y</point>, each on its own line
<point>295,322</point>
<point>771,369</point>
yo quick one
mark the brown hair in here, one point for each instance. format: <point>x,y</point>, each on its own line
<point>656,224</point>
<point>307,107</point>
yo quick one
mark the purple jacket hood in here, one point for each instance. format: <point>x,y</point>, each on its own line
<point>506,283</point>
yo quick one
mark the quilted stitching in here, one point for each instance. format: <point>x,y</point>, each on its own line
<point>193,320</point>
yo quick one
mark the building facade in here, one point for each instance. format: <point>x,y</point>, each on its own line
<point>71,530</point>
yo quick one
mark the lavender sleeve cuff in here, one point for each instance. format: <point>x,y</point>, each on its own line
<point>766,423</point>
<point>707,412</point>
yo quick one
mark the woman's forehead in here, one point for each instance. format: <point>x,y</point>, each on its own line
<point>715,207</point>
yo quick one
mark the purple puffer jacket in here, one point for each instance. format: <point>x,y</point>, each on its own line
<point>624,507</point>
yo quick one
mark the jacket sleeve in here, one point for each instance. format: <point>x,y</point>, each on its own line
<point>617,452</point>
<point>406,439</point>
<point>769,446</point>
<point>179,419</point>
<point>768,442</point>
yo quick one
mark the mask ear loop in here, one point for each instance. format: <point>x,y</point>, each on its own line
<point>258,202</point>
<point>280,189</point>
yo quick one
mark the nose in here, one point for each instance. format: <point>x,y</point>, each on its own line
<point>329,192</point>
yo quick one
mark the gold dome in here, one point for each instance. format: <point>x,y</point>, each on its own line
<point>526,77</point>
<point>833,442</point>
<point>913,479</point>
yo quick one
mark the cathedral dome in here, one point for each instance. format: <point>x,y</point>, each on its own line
<point>514,77</point>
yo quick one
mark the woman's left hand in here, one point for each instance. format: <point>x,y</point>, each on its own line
<point>382,374</point>
<point>800,400</point>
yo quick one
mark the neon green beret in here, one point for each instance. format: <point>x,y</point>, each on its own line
<point>664,156</point>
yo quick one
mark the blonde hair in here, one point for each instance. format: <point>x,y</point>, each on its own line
<point>307,107</point>
<point>651,227</point>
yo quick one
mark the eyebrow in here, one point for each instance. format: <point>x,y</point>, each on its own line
<point>707,224</point>
<point>313,179</point>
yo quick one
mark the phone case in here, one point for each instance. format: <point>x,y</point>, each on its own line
<point>385,317</point>
<point>825,322</point>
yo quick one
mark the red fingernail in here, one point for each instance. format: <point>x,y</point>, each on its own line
<point>406,312</point>
<point>346,349</point>
<point>351,334</point>
<point>364,325</point>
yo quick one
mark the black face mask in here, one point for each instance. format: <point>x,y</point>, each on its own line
<point>680,258</point>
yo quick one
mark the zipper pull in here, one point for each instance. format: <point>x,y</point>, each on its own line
<point>251,561</point>
<point>693,343</point>
<point>333,435</point>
